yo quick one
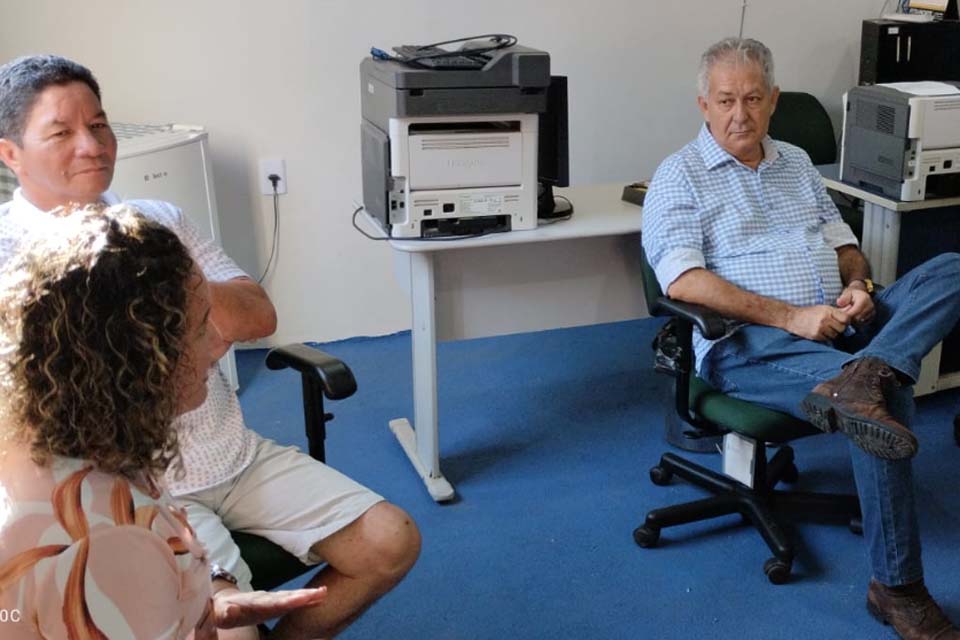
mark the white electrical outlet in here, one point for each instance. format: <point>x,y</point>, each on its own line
<point>272,166</point>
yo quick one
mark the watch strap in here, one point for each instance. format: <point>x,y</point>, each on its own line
<point>869,285</point>
<point>219,573</point>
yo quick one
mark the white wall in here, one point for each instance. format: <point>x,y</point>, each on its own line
<point>281,79</point>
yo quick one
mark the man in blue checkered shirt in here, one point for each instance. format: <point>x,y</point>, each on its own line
<point>742,224</point>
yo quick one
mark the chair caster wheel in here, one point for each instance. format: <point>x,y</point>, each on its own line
<point>856,526</point>
<point>646,536</point>
<point>790,474</point>
<point>660,476</point>
<point>777,571</point>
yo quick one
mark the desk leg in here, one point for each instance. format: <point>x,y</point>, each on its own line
<point>881,246</point>
<point>421,444</point>
<point>881,241</point>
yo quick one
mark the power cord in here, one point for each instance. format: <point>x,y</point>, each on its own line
<point>274,180</point>
<point>362,232</point>
<point>566,215</point>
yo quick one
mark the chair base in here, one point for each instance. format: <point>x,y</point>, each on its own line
<point>762,505</point>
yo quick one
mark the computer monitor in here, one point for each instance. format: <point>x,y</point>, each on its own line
<point>553,148</point>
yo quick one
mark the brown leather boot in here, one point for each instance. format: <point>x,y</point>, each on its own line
<point>855,403</point>
<point>911,610</point>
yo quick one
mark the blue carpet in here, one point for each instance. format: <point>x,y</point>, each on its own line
<point>548,438</point>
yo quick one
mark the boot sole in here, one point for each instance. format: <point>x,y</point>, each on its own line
<point>873,437</point>
<point>820,413</point>
<point>874,611</point>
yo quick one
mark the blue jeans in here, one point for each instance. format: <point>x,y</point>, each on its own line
<point>777,369</point>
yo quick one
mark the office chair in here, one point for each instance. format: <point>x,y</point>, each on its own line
<point>708,412</point>
<point>320,375</point>
<point>802,121</point>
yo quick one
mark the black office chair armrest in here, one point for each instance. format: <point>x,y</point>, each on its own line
<point>710,322</point>
<point>321,375</point>
<point>335,377</point>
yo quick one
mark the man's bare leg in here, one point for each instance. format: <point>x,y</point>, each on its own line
<point>364,561</point>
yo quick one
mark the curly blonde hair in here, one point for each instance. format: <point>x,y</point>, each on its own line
<point>92,327</point>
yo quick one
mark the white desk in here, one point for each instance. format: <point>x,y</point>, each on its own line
<point>881,246</point>
<point>581,271</point>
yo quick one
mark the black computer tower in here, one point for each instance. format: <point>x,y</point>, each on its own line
<point>892,51</point>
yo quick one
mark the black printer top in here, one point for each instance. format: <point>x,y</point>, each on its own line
<point>515,66</point>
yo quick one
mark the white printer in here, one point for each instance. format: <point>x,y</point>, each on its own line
<point>903,139</point>
<point>453,152</point>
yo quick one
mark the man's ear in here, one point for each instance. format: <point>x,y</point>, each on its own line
<point>10,155</point>
<point>774,96</point>
<point>702,103</point>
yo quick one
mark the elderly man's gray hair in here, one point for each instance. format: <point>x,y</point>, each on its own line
<point>740,51</point>
<point>22,80</point>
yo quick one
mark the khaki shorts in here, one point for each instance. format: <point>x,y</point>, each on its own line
<point>285,496</point>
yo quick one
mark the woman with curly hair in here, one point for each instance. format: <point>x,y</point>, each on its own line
<point>103,342</point>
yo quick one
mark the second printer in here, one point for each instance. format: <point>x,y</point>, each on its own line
<point>902,140</point>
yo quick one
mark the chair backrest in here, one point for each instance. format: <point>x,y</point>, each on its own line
<point>801,120</point>
<point>651,288</point>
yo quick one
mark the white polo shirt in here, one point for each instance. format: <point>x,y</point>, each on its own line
<point>215,445</point>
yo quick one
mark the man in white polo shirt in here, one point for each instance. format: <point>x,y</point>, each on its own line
<point>54,135</point>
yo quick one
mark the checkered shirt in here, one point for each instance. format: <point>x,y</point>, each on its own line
<point>773,231</point>
<point>215,445</point>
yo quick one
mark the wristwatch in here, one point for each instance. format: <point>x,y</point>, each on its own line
<point>868,284</point>
<point>219,573</point>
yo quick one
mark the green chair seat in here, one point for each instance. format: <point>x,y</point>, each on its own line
<point>271,565</point>
<point>745,418</point>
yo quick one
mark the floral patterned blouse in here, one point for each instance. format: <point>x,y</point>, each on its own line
<point>89,555</point>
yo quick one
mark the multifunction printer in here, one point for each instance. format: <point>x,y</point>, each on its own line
<point>449,152</point>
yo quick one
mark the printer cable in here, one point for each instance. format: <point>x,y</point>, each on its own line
<point>366,235</point>
<point>563,217</point>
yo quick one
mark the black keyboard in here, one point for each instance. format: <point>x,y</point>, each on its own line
<point>437,58</point>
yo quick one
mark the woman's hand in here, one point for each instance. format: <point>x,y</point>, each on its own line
<point>235,608</point>
<point>230,608</point>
